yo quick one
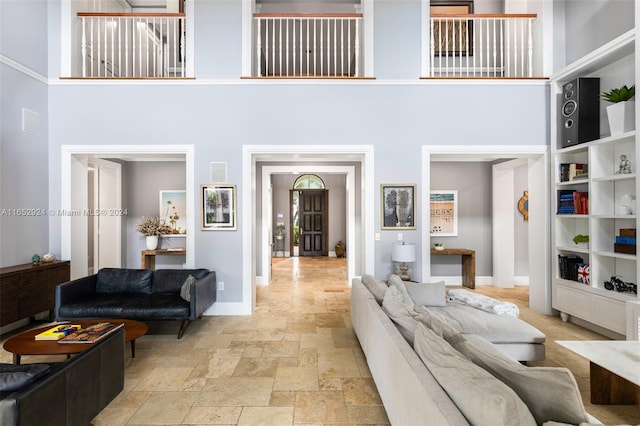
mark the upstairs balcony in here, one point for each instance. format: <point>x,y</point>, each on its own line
<point>303,45</point>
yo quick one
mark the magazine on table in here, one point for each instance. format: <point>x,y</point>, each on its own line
<point>91,333</point>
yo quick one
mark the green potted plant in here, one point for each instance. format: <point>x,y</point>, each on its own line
<point>438,246</point>
<point>581,239</point>
<point>621,113</point>
<point>152,228</point>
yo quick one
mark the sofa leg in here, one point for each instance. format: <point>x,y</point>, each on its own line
<point>183,328</point>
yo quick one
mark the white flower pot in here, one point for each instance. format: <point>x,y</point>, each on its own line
<point>621,117</point>
<point>152,242</point>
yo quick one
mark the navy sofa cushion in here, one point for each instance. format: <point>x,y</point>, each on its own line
<point>14,377</point>
<point>114,280</point>
<point>171,280</point>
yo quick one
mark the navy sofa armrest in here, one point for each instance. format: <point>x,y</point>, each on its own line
<point>203,294</point>
<point>75,291</point>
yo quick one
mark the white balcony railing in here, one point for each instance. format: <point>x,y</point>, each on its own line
<point>494,46</point>
<point>132,45</point>
<point>308,45</point>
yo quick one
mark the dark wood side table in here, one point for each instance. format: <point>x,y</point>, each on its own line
<point>28,289</point>
<point>26,344</point>
<point>148,257</point>
<point>468,264</point>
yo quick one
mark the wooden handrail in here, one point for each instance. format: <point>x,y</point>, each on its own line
<point>133,15</point>
<point>483,15</point>
<point>307,15</point>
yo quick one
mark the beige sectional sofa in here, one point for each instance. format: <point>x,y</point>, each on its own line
<point>454,377</point>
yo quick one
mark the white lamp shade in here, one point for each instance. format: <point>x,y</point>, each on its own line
<point>403,252</point>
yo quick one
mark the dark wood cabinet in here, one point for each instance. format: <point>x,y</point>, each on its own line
<point>26,290</point>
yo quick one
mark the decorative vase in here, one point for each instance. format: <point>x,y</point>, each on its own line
<point>152,242</point>
<point>621,117</point>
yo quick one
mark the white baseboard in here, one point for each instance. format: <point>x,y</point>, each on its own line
<point>227,308</point>
<point>262,280</point>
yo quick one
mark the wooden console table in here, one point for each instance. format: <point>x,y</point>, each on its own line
<point>468,264</point>
<point>148,257</point>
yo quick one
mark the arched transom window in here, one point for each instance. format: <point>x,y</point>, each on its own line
<point>308,182</point>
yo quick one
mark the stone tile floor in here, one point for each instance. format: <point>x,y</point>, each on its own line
<point>295,361</point>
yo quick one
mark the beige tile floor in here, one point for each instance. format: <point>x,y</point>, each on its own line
<point>295,361</point>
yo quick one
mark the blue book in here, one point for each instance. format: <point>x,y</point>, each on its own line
<point>626,240</point>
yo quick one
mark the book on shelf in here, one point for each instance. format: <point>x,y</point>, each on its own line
<point>57,332</point>
<point>573,202</point>
<point>568,267</point>
<point>92,333</point>
<point>568,172</point>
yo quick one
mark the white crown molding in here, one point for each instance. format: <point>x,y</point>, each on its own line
<point>22,69</point>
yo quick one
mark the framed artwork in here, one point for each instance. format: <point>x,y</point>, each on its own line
<point>398,208</point>
<point>452,36</point>
<point>172,211</point>
<point>218,207</point>
<point>443,206</point>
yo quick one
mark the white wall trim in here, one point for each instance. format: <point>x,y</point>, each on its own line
<point>302,154</point>
<point>537,222</point>
<point>67,151</point>
<point>22,69</point>
<point>267,205</point>
<point>226,308</point>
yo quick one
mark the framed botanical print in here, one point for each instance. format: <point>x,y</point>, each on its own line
<point>173,211</point>
<point>398,208</point>
<point>218,207</point>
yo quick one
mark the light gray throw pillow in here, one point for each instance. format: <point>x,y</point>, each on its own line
<point>397,282</point>
<point>427,294</point>
<point>395,307</point>
<point>377,287</point>
<point>482,399</point>
<point>551,393</point>
<point>185,290</point>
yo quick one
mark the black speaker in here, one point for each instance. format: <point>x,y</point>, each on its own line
<point>580,112</point>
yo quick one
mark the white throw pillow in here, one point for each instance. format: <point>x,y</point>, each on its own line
<point>482,399</point>
<point>397,282</point>
<point>427,294</point>
<point>551,393</point>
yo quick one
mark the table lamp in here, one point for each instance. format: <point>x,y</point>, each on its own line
<point>404,253</point>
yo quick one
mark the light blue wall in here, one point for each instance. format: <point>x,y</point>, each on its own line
<point>395,117</point>
<point>591,24</point>
<point>23,156</point>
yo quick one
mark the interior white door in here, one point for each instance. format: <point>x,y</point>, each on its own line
<point>503,223</point>
<point>108,215</point>
<point>78,218</point>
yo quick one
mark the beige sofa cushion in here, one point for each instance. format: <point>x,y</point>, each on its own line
<point>377,287</point>
<point>394,305</point>
<point>428,294</point>
<point>551,393</point>
<point>482,399</point>
<point>396,281</point>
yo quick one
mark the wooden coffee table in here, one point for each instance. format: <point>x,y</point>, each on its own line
<point>26,344</point>
<point>614,368</point>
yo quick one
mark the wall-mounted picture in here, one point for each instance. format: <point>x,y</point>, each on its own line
<point>173,211</point>
<point>398,206</point>
<point>218,207</point>
<point>443,207</point>
<point>452,36</point>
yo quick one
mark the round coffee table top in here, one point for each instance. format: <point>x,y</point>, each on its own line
<point>26,344</point>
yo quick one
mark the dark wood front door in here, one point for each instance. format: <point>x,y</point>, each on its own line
<point>313,222</point>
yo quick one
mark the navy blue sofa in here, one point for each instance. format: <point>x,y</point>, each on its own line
<point>138,294</point>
